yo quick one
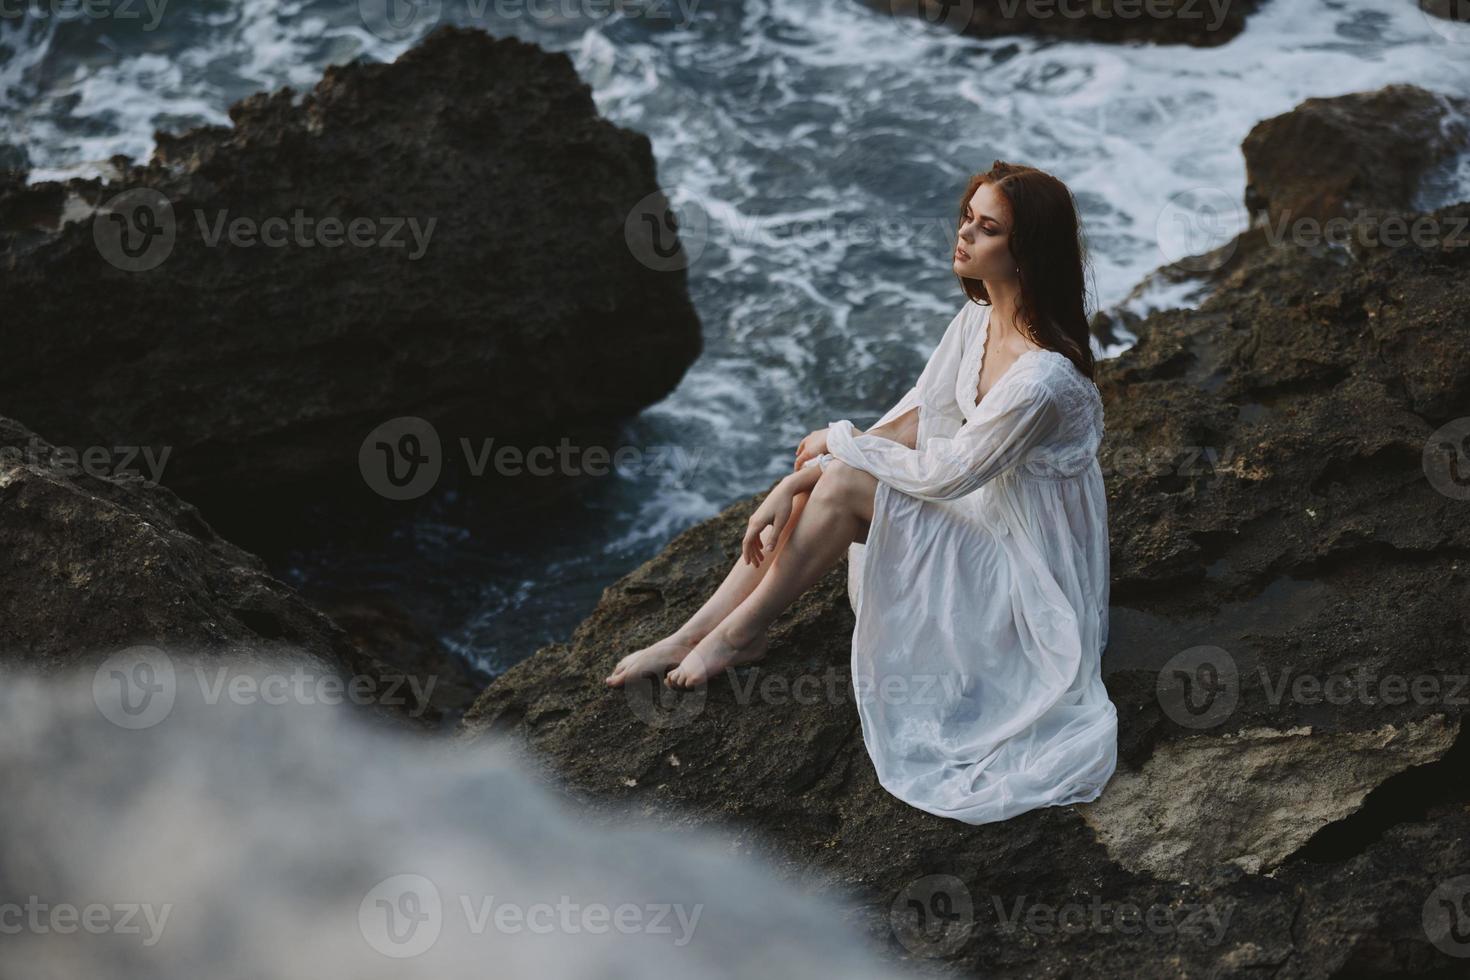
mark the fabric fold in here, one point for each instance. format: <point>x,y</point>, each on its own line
<point>980,595</point>
<point>1018,418</point>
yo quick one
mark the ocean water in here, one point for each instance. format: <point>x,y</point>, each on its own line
<point>824,145</point>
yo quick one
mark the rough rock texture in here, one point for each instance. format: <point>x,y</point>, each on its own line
<point>1445,9</point>
<point>532,309</point>
<point>1193,22</point>
<point>381,628</point>
<point>1164,820</point>
<point>1290,595</point>
<point>1314,161</point>
<point>1361,158</point>
<point>98,563</point>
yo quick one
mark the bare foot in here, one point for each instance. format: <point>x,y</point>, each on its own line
<point>653,659</point>
<point>710,656</point>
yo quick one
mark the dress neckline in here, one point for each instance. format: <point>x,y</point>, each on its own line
<point>973,392</point>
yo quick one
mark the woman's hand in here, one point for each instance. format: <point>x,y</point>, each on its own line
<point>815,444</point>
<point>775,510</point>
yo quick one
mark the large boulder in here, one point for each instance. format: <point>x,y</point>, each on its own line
<point>1368,151</point>
<point>1199,23</point>
<point>1288,468</point>
<point>104,567</point>
<point>1341,174</point>
<point>506,277</point>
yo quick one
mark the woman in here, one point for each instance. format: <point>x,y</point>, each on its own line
<point>975,523</point>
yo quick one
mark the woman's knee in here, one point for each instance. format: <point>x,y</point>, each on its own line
<point>769,537</point>
<point>837,478</point>
<point>847,484</point>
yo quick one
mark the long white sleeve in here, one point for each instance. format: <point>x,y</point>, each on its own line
<point>1016,418</point>
<point>907,403</point>
<point>936,382</point>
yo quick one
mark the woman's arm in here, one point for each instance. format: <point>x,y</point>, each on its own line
<point>903,430</point>
<point>901,422</point>
<point>804,479</point>
<point>1017,419</point>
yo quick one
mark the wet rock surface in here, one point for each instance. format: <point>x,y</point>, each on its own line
<point>1200,24</point>
<point>99,566</point>
<point>1288,472</point>
<point>1315,162</point>
<point>490,270</point>
<point>1336,176</point>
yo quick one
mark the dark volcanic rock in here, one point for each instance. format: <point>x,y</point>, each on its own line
<point>99,560</point>
<point>1366,150</point>
<point>524,311</point>
<point>1288,482</point>
<point>384,630</point>
<point>1339,173</point>
<point>1444,9</point>
<point>1194,22</point>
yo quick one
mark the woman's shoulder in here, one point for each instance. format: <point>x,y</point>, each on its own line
<point>969,316</point>
<point>1058,370</point>
<point>1050,374</point>
<point>1054,373</point>
<point>963,326</point>
<point>1042,367</point>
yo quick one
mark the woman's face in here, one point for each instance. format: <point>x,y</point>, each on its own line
<point>983,248</point>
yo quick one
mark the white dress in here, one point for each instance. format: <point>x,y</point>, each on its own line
<point>981,595</point>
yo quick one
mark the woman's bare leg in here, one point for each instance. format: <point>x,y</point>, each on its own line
<point>741,580</point>
<point>838,513</point>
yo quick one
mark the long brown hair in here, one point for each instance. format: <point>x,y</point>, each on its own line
<point>1046,242</point>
